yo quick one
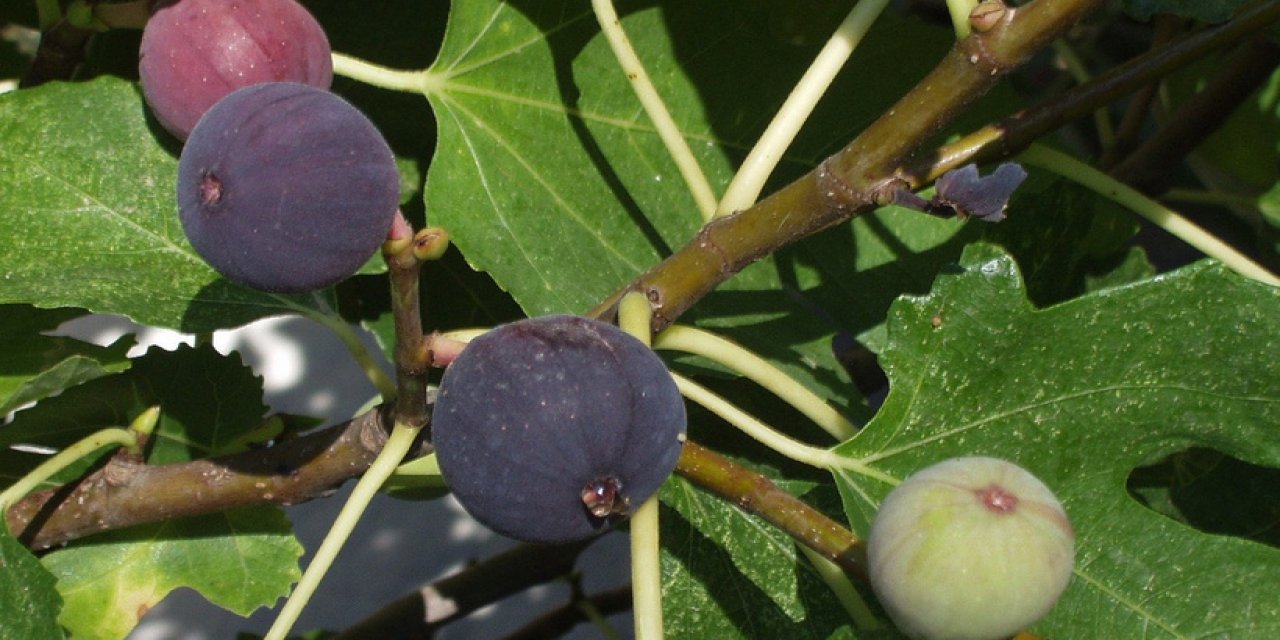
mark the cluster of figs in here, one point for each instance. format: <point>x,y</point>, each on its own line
<point>548,429</point>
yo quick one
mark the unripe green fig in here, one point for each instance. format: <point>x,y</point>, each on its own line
<point>970,548</point>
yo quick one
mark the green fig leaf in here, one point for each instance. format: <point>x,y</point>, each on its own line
<point>1082,393</point>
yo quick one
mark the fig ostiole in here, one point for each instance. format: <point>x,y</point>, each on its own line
<point>971,548</point>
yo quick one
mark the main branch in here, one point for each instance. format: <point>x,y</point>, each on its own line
<point>861,175</point>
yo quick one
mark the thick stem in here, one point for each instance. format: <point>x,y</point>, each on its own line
<point>125,492</point>
<point>756,494</point>
<point>412,359</point>
<point>852,180</point>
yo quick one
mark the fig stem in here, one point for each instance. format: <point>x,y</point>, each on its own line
<point>758,495</point>
<point>654,107</point>
<point>741,360</point>
<point>634,315</point>
<point>412,360</point>
<point>399,443</point>
<point>744,189</point>
<point>65,458</point>
<point>415,81</point>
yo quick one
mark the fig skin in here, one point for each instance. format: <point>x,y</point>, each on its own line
<point>195,52</point>
<point>286,188</point>
<point>971,548</point>
<point>551,429</point>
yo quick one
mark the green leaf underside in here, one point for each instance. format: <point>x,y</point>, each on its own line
<point>239,560</point>
<point>36,366</point>
<point>727,574</point>
<point>550,177</point>
<point>29,603</point>
<point>88,216</point>
<point>764,555</point>
<point>207,402</point>
<point>1081,393</point>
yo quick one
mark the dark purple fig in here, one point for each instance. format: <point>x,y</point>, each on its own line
<point>195,52</point>
<point>286,188</point>
<point>551,429</point>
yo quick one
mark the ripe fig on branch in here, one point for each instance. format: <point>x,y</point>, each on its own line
<point>971,548</point>
<point>286,188</point>
<point>195,52</point>
<point>551,429</point>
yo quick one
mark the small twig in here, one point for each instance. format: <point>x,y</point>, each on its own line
<point>410,416</point>
<point>423,612</point>
<point>412,359</point>
<point>1135,115</point>
<point>1013,134</point>
<point>1147,169</point>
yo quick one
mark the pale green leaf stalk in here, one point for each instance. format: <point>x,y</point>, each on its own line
<point>416,81</point>
<point>1160,215</point>
<point>65,458</point>
<point>634,314</point>
<point>757,369</point>
<point>960,10</point>
<point>843,589</point>
<point>772,438</point>
<point>763,158</point>
<point>655,108</point>
<point>398,445</point>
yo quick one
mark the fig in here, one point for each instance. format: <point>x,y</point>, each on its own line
<point>971,548</point>
<point>286,188</point>
<point>195,52</point>
<point>552,429</point>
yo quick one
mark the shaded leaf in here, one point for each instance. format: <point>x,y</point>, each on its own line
<point>208,402</point>
<point>728,574</point>
<point>36,366</point>
<point>1206,10</point>
<point>29,604</point>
